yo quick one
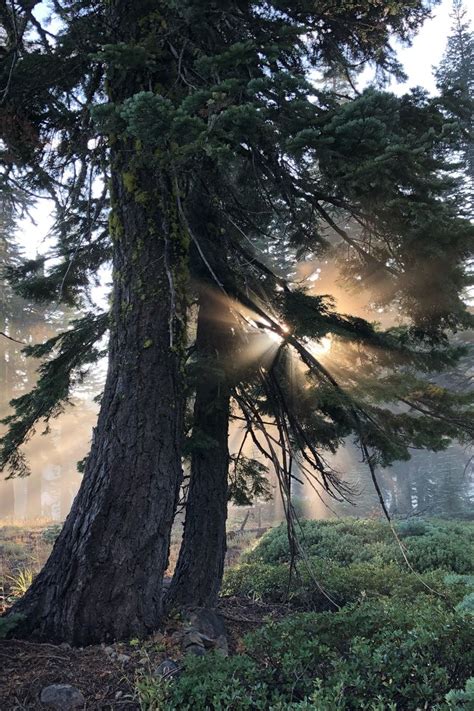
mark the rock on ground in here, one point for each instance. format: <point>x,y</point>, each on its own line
<point>167,669</point>
<point>205,629</point>
<point>62,697</point>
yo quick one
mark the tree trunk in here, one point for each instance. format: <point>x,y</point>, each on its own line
<point>200,566</point>
<point>103,580</point>
<point>7,490</point>
<point>7,499</point>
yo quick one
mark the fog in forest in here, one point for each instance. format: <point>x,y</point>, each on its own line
<point>53,454</point>
<point>430,483</point>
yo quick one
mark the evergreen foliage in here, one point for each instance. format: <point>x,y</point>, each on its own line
<point>74,350</point>
<point>194,128</point>
<point>242,98</point>
<point>373,635</point>
<point>247,481</point>
<point>429,544</point>
<point>455,80</point>
<point>21,323</point>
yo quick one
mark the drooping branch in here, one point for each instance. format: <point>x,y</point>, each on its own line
<point>15,340</point>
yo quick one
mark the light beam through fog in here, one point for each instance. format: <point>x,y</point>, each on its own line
<point>48,493</point>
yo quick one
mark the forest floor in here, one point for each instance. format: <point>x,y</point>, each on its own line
<point>378,634</point>
<point>106,679</point>
<point>106,675</point>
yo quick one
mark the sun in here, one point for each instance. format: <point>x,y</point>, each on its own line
<point>320,347</point>
<point>274,335</point>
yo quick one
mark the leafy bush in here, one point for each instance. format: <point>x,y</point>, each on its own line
<point>412,527</point>
<point>462,699</point>
<point>15,551</point>
<point>353,560</point>
<point>377,651</point>
<point>430,544</point>
<point>467,604</point>
<point>8,532</point>
<point>333,540</point>
<point>455,578</point>
<point>439,549</point>
<point>50,533</point>
<point>374,656</point>
<point>211,682</point>
<point>326,585</point>
<point>377,637</point>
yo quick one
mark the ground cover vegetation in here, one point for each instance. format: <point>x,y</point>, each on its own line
<point>174,138</point>
<point>23,552</point>
<point>376,635</point>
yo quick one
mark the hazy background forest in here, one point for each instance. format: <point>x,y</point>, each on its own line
<point>430,483</point>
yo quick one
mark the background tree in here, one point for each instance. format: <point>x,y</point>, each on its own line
<point>9,330</point>
<point>21,322</point>
<point>402,214</point>
<point>455,81</point>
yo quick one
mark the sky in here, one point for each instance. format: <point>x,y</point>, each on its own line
<point>428,47</point>
<point>418,61</point>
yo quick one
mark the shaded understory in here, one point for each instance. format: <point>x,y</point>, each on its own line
<point>354,629</point>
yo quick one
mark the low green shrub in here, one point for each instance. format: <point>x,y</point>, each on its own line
<point>324,585</point>
<point>430,544</point>
<point>211,682</point>
<point>456,578</point>
<point>410,655</point>
<point>440,549</point>
<point>412,527</point>
<point>12,550</point>
<point>377,656</point>
<point>9,532</point>
<point>462,699</point>
<point>467,604</point>
<point>369,633</point>
<point>343,541</point>
<point>50,533</point>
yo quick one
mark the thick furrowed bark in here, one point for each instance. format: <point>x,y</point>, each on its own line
<point>200,566</point>
<point>103,579</point>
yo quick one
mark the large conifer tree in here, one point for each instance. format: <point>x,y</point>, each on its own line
<point>103,579</point>
<point>210,133</point>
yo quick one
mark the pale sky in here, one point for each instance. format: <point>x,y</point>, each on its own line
<point>418,61</point>
<point>428,47</point>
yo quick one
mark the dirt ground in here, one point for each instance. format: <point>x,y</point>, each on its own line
<point>106,682</point>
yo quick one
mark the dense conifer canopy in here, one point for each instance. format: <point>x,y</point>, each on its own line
<point>256,151</point>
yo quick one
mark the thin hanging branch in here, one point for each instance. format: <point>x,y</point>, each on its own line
<point>10,338</point>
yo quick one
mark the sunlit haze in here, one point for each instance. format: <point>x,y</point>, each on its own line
<point>53,458</point>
